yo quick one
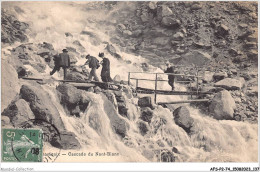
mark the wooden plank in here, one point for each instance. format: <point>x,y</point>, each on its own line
<point>166,92</point>
<point>184,101</point>
<point>82,84</point>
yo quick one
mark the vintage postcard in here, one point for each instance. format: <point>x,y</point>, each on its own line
<point>129,81</point>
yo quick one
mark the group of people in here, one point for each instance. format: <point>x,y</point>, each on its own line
<point>62,60</point>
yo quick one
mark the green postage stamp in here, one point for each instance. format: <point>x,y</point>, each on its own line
<point>22,145</point>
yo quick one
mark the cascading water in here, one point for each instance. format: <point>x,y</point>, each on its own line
<point>211,140</point>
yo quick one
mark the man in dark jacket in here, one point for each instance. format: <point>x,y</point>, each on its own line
<point>64,61</point>
<point>170,69</point>
<point>93,64</point>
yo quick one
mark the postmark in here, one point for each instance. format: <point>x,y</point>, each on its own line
<point>49,132</point>
<point>22,145</point>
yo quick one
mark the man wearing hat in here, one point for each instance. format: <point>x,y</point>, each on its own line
<point>94,65</point>
<point>62,60</point>
<point>170,69</point>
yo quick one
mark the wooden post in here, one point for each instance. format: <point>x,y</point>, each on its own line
<point>128,78</point>
<point>197,75</point>
<point>155,88</point>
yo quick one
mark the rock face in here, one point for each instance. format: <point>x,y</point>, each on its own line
<point>67,140</point>
<point>12,29</point>
<point>146,114</point>
<point>222,105</point>
<point>219,76</point>
<point>143,127</point>
<point>167,156</point>
<point>117,122</point>
<point>182,118</point>
<point>145,102</point>
<point>73,99</point>
<point>18,112</point>
<point>196,57</point>
<point>171,22</point>
<point>41,105</point>
<point>10,86</point>
<point>231,83</point>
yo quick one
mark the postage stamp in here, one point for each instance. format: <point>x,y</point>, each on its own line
<point>22,145</point>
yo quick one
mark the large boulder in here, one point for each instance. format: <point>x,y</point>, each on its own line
<point>41,104</point>
<point>18,112</point>
<point>196,58</point>
<point>145,102</point>
<point>182,118</point>
<point>220,75</point>
<point>222,106</point>
<point>76,76</point>
<point>166,11</point>
<point>66,140</point>
<point>143,127</point>
<point>146,114</point>
<point>231,83</point>
<point>118,123</point>
<point>10,84</point>
<point>171,22</point>
<point>208,76</point>
<point>73,99</point>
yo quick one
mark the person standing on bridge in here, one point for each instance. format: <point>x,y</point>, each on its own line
<point>94,65</point>
<point>105,72</point>
<point>170,69</point>
<point>61,60</point>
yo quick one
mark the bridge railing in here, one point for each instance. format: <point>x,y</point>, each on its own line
<point>156,80</point>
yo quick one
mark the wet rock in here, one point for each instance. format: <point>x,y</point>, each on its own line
<point>10,84</point>
<point>178,36</point>
<point>196,6</point>
<point>143,127</point>
<point>12,29</point>
<point>97,89</point>
<point>146,114</point>
<point>111,97</point>
<point>91,89</point>
<point>171,22</point>
<point>70,94</point>
<point>252,91</point>
<point>167,156</point>
<point>46,45</point>
<point>208,76</point>
<point>40,67</point>
<point>145,102</point>
<point>195,57</point>
<point>18,112</point>
<point>233,52</point>
<point>117,122</point>
<point>144,17</point>
<point>166,11</point>
<point>160,143</point>
<point>252,54</point>
<point>5,121</point>
<point>161,41</point>
<point>202,45</point>
<point>68,34</point>
<point>137,33</point>
<point>219,76</point>
<point>231,83</point>
<point>152,5</point>
<point>41,104</point>
<point>222,106</point>
<point>127,33</point>
<point>76,76</point>
<point>66,140</point>
<point>117,79</point>
<point>222,31</point>
<point>182,118</point>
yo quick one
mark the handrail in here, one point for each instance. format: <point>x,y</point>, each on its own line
<point>170,74</point>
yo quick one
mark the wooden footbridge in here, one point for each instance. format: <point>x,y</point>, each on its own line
<point>85,85</point>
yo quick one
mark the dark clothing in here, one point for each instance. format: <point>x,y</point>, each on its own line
<point>93,62</point>
<point>61,60</point>
<point>64,60</point>
<point>105,72</point>
<point>170,77</point>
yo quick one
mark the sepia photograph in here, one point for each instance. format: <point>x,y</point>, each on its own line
<point>129,81</point>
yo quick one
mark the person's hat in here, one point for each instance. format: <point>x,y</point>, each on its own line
<point>65,50</point>
<point>87,56</point>
<point>101,55</point>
